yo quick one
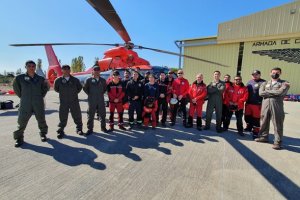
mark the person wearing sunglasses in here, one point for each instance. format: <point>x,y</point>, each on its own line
<point>180,89</point>
<point>31,89</point>
<point>235,98</point>
<point>68,88</point>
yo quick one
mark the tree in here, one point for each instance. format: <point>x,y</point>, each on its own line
<point>77,64</point>
<point>39,64</point>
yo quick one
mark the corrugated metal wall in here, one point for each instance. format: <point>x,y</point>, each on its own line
<point>290,71</point>
<point>228,54</point>
<point>283,20</point>
<point>225,54</point>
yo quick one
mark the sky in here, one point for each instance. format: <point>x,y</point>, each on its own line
<point>151,23</point>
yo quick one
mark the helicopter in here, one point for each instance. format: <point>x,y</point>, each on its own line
<point>121,56</point>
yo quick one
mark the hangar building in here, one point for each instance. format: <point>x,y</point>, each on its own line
<point>263,40</point>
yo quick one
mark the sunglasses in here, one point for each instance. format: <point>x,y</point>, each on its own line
<point>33,66</point>
<point>238,79</point>
<point>179,73</point>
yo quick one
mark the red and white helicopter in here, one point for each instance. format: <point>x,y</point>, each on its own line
<point>121,56</point>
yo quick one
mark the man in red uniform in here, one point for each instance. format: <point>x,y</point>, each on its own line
<point>180,91</point>
<point>197,94</point>
<point>225,109</point>
<point>116,93</point>
<point>235,97</point>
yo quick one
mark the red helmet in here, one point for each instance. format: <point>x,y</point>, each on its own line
<point>126,106</point>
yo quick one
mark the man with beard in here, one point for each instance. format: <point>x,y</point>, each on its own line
<point>235,98</point>
<point>253,104</point>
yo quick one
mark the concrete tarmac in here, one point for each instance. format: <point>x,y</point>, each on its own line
<point>166,163</point>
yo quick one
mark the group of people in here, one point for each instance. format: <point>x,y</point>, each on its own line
<point>146,97</point>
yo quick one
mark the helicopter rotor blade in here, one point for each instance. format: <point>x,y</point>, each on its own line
<point>182,55</point>
<point>63,44</point>
<point>107,11</point>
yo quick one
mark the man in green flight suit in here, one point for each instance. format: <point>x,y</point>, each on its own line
<point>68,88</point>
<point>95,88</point>
<point>31,88</point>
<point>273,93</point>
<point>215,91</point>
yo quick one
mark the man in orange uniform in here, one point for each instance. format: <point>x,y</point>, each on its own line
<point>116,93</point>
<point>180,91</point>
<point>197,94</point>
<point>235,97</point>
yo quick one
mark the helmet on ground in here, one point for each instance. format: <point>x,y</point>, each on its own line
<point>126,106</point>
<point>173,101</point>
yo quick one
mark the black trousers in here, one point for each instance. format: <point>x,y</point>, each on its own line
<point>182,105</point>
<point>239,119</point>
<point>225,115</point>
<point>162,105</point>
<point>135,106</point>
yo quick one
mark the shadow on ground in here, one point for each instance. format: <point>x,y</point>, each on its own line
<point>71,156</point>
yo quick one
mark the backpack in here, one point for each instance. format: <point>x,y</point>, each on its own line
<point>8,104</point>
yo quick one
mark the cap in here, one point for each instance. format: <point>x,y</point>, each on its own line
<point>65,67</point>
<point>29,62</point>
<point>256,72</point>
<point>148,72</point>
<point>96,68</point>
<point>116,73</point>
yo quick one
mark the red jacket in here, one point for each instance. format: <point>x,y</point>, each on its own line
<point>227,85</point>
<point>198,92</point>
<point>236,94</point>
<point>181,86</point>
<point>115,91</point>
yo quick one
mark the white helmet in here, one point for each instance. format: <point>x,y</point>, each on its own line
<point>173,101</point>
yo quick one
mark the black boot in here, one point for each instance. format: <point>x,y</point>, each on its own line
<point>184,123</point>
<point>218,128</point>
<point>190,122</point>
<point>104,130</point>
<point>19,142</point>
<point>199,124</point>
